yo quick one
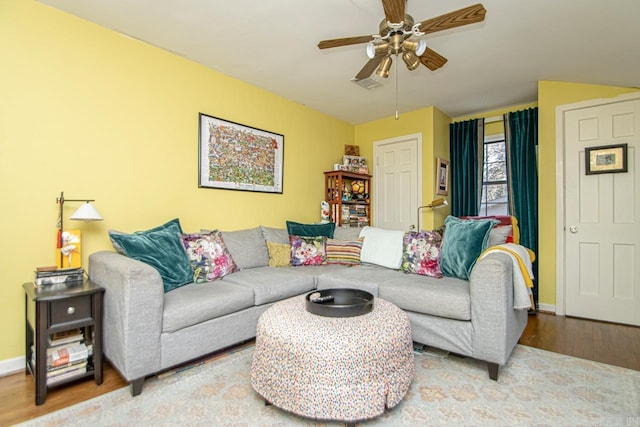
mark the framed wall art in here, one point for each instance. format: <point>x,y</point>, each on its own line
<point>442,177</point>
<point>238,157</point>
<point>605,159</point>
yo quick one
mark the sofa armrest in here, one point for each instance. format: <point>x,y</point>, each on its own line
<point>134,300</point>
<point>497,326</point>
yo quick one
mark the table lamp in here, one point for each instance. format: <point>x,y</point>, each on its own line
<point>86,212</point>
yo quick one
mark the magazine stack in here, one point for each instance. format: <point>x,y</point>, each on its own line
<point>45,276</point>
<point>68,356</point>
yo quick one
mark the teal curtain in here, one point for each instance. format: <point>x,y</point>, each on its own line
<point>466,155</point>
<point>521,138</point>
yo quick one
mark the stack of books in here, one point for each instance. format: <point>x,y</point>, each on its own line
<point>51,275</point>
<point>69,358</point>
<point>354,215</point>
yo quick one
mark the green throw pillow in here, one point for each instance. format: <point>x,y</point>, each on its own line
<point>311,230</point>
<point>174,224</point>
<point>464,241</point>
<point>162,249</point>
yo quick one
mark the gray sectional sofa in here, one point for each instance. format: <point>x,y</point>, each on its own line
<point>147,330</point>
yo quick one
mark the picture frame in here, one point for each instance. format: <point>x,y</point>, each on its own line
<point>356,164</point>
<point>605,159</point>
<point>233,156</point>
<point>442,177</point>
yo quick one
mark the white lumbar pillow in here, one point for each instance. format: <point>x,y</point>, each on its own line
<point>382,247</point>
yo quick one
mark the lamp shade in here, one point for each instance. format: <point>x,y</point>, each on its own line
<point>86,212</point>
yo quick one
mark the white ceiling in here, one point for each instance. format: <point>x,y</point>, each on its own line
<point>272,44</point>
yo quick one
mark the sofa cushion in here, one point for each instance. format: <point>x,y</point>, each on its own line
<point>365,277</point>
<point>247,247</point>
<point>308,250</point>
<point>345,252</point>
<point>278,235</point>
<point>279,254</point>
<point>208,255</point>
<point>272,284</point>
<point>464,241</point>
<point>347,233</point>
<point>198,302</point>
<point>311,230</point>
<point>161,249</point>
<point>446,297</point>
<point>421,253</point>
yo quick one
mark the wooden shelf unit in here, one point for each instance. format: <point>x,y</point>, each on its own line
<point>342,211</point>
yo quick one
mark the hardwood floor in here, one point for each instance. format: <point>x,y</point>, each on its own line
<point>603,342</point>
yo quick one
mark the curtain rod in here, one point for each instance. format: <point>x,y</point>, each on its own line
<point>493,119</point>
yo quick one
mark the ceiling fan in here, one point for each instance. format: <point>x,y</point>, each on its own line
<point>399,36</point>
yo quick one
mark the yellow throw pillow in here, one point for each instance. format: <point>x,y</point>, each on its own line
<point>279,254</point>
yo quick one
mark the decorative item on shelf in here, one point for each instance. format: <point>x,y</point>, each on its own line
<point>352,150</point>
<point>68,242</point>
<point>435,204</point>
<point>347,196</point>
<point>355,164</point>
<point>357,187</point>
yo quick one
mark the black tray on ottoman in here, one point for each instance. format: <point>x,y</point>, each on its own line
<point>339,302</point>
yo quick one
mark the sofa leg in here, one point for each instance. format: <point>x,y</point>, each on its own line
<point>493,370</point>
<point>136,386</point>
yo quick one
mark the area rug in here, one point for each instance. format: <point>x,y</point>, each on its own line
<point>536,387</point>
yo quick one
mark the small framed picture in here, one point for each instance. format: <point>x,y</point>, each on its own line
<point>442,177</point>
<point>605,159</point>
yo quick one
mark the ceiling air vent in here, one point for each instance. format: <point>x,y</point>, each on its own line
<point>368,83</point>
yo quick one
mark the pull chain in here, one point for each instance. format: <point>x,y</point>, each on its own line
<point>396,75</point>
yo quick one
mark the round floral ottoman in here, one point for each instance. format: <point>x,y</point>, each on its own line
<point>333,368</point>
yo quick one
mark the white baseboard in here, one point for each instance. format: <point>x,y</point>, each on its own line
<point>11,366</point>
<point>551,308</point>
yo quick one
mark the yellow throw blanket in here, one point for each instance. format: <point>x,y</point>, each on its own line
<point>522,273</point>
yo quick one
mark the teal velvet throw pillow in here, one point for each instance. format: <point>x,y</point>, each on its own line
<point>162,249</point>
<point>464,241</point>
<point>311,230</point>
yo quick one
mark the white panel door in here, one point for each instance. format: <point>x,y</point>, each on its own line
<point>396,182</point>
<point>602,216</point>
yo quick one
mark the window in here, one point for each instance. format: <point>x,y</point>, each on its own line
<point>495,196</point>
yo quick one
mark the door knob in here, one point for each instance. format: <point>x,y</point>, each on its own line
<point>573,229</point>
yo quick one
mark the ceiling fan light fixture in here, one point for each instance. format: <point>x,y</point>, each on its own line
<point>415,46</point>
<point>374,49</point>
<point>385,66</point>
<point>411,60</point>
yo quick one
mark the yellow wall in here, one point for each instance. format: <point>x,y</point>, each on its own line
<point>434,127</point>
<point>95,114</point>
<point>551,95</point>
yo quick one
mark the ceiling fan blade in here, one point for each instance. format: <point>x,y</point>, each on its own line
<point>458,18</point>
<point>432,59</point>
<point>369,68</point>
<point>325,44</point>
<point>394,10</point>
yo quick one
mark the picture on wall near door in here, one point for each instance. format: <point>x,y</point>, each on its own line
<point>442,177</point>
<point>605,159</point>
<point>238,157</point>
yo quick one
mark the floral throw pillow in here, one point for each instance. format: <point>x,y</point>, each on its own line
<point>421,253</point>
<point>208,255</point>
<point>308,250</point>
